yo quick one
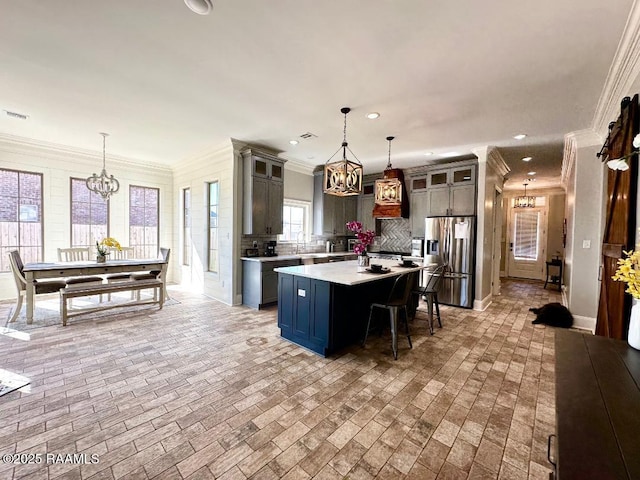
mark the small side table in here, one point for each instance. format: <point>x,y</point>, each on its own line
<point>557,264</point>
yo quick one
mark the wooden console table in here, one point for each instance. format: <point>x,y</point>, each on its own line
<point>597,408</point>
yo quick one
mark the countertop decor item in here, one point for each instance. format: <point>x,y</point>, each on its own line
<point>365,237</point>
<point>105,185</point>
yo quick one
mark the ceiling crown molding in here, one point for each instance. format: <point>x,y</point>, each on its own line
<point>624,71</point>
<point>40,148</point>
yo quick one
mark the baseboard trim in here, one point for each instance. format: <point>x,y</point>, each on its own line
<point>584,323</point>
<point>483,304</point>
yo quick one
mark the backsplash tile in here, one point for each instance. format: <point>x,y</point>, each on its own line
<point>395,235</point>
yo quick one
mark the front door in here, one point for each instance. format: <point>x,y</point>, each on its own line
<point>527,251</point>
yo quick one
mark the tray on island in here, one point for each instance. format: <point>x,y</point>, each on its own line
<point>413,265</point>
<point>384,270</point>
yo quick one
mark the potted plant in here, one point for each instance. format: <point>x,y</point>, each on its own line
<point>365,238</point>
<point>102,248</point>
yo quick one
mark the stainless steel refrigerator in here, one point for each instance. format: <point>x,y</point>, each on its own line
<point>451,240</point>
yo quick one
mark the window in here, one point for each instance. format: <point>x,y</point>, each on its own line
<point>20,216</point>
<point>525,245</point>
<point>186,226</point>
<point>89,215</point>
<point>213,226</point>
<point>295,218</point>
<point>144,213</point>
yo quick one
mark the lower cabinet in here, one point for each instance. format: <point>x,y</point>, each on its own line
<point>303,311</point>
<point>260,282</point>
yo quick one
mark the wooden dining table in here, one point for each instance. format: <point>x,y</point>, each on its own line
<point>40,271</point>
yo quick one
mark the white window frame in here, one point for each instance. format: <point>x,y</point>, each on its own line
<point>306,206</point>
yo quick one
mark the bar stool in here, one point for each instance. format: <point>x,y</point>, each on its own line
<point>396,304</point>
<point>430,293</point>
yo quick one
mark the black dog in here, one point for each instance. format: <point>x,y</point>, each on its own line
<point>553,314</point>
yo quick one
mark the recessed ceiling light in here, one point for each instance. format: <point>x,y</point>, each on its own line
<point>293,142</point>
<point>426,154</point>
<point>531,173</point>
<point>527,159</point>
<point>520,136</point>
<point>450,154</point>
<point>530,180</point>
<point>373,115</point>
<point>201,7</point>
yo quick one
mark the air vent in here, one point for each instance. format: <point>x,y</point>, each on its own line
<point>308,135</point>
<point>19,116</point>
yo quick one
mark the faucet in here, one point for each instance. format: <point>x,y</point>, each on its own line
<point>299,239</point>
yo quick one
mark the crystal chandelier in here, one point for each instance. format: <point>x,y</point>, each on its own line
<point>343,177</point>
<point>524,201</point>
<point>105,185</point>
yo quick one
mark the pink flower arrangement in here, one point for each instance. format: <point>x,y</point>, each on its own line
<point>365,237</point>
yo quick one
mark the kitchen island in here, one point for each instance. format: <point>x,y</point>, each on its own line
<point>325,307</point>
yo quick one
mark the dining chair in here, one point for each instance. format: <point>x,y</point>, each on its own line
<point>165,253</point>
<point>395,305</point>
<point>78,254</point>
<point>41,286</point>
<point>429,292</point>
<point>123,254</point>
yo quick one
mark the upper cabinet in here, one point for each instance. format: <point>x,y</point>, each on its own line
<point>331,213</point>
<point>263,193</point>
<point>451,191</point>
<point>418,204</point>
<point>366,201</point>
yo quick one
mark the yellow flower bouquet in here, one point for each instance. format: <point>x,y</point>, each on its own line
<point>103,246</point>
<point>628,272</point>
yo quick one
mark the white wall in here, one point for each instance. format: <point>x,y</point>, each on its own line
<point>58,164</point>
<point>219,165</point>
<point>298,185</point>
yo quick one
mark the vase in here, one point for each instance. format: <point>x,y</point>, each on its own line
<point>363,262</point>
<point>634,325</point>
<point>101,258</point>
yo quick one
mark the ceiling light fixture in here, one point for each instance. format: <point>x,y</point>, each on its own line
<point>527,159</point>
<point>343,177</point>
<point>428,154</point>
<point>520,136</point>
<point>201,7</point>
<point>293,142</point>
<point>373,115</point>
<point>390,199</point>
<point>104,185</point>
<point>531,173</point>
<point>524,201</point>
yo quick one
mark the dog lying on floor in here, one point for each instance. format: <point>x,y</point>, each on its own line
<point>553,314</point>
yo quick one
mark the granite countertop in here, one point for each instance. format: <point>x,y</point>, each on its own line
<point>348,273</point>
<point>299,256</point>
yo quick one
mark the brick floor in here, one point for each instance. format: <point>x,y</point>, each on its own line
<point>204,390</point>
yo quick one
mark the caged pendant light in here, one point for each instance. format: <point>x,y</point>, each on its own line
<point>390,198</point>
<point>524,201</point>
<point>343,177</point>
<point>104,185</point>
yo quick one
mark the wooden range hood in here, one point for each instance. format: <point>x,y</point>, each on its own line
<point>391,196</point>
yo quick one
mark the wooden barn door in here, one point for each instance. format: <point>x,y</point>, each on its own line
<point>620,222</point>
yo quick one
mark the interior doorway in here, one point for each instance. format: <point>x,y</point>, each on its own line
<point>527,242</point>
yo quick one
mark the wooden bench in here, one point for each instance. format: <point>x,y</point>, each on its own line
<point>73,291</point>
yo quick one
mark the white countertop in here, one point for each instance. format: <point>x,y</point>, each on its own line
<point>348,273</point>
<point>299,256</point>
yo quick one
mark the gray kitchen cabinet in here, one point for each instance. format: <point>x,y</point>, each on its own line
<point>331,213</point>
<point>263,193</point>
<point>451,191</point>
<point>260,282</point>
<point>366,202</point>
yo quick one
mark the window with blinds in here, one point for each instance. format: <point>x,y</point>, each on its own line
<point>526,235</point>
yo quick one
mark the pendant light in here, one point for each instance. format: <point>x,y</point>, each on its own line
<point>104,185</point>
<point>524,201</point>
<point>390,199</point>
<point>343,177</point>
